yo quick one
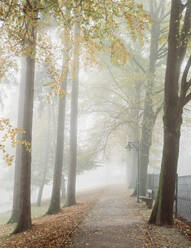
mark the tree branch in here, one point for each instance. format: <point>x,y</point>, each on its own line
<point>187,99</point>
<point>164,16</point>
<point>186,71</point>
<point>185,31</point>
<point>139,65</point>
<point>162,53</point>
<point>158,110</point>
<point>161,48</point>
<point>113,91</point>
<point>115,81</point>
<point>160,9</point>
<point>184,84</point>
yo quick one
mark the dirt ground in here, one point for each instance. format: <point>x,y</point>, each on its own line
<point>178,236</point>
<point>103,218</point>
<point>50,231</point>
<point>117,221</point>
<point>112,223</point>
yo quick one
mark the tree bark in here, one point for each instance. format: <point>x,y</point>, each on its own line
<point>148,115</point>
<point>132,172</point>
<point>55,197</point>
<point>24,221</point>
<point>145,144</point>
<point>57,179</point>
<point>71,187</point>
<point>45,164</point>
<point>63,187</point>
<point>162,213</point>
<point>40,192</point>
<point>134,134</point>
<point>16,193</point>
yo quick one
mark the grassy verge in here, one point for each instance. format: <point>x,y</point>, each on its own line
<point>49,231</point>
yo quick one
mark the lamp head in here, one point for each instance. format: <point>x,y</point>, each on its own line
<point>132,146</point>
<point>129,147</point>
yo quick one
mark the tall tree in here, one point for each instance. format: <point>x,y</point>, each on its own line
<point>16,193</point>
<point>96,24</point>
<point>46,159</point>
<point>134,132</point>
<point>57,179</point>
<point>150,113</point>
<point>175,101</point>
<point>24,221</point>
<point>71,187</point>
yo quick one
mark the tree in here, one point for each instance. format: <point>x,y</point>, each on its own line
<point>71,191</point>
<point>24,221</point>
<point>150,111</point>
<point>116,107</point>
<point>16,194</point>
<point>96,22</point>
<point>22,35</point>
<point>57,179</point>
<point>46,159</point>
<point>134,132</point>
<point>175,101</point>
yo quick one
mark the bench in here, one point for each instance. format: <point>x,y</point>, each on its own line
<point>148,199</point>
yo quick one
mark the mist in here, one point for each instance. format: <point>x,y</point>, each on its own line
<point>94,116</point>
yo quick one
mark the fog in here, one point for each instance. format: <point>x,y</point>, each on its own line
<point>110,173</point>
<point>86,101</point>
<point>115,161</point>
<point>112,169</point>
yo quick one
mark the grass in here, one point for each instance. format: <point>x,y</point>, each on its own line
<point>50,230</point>
<point>36,212</point>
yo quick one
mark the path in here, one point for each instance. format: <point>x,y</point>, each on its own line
<point>112,224</point>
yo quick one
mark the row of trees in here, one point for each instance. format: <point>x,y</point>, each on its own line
<point>124,104</point>
<point>174,101</point>
<point>133,99</point>
<point>93,34</point>
<point>93,23</point>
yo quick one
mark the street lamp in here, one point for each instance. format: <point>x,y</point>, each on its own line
<point>134,146</point>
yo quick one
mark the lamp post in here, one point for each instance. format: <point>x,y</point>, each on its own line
<point>134,146</point>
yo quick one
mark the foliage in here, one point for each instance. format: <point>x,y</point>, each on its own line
<point>9,134</point>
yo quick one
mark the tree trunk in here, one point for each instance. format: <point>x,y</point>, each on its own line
<point>145,144</point>
<point>16,193</point>
<point>55,197</point>
<point>132,172</point>
<point>63,187</point>
<point>40,192</point>
<point>148,115</point>
<point>71,189</point>
<point>45,167</point>
<point>134,134</point>
<point>162,213</point>
<point>24,221</point>
<point>57,179</point>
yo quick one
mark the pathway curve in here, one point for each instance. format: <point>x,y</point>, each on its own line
<point>111,223</point>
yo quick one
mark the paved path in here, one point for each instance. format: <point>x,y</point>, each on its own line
<point>111,223</point>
